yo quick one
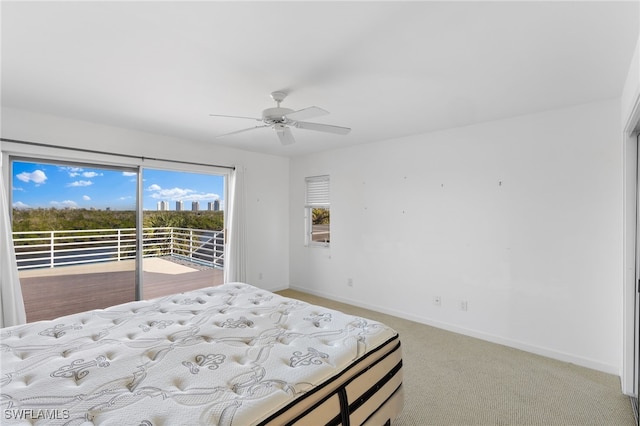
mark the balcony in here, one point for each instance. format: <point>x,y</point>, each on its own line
<point>63,272</point>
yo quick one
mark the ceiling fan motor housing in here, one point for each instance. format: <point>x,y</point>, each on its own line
<point>275,115</point>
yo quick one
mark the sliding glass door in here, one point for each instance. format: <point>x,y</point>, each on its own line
<point>183,231</point>
<point>74,233</point>
<point>90,236</point>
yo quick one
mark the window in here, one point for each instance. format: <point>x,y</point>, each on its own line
<point>317,211</point>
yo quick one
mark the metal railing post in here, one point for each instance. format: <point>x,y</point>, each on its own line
<point>52,248</point>
<point>119,237</point>
<point>216,249</point>
<point>190,243</point>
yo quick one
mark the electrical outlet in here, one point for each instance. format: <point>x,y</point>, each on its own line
<point>350,282</point>
<point>464,305</point>
<point>437,300</point>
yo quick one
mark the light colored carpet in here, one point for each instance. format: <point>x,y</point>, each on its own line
<point>451,379</point>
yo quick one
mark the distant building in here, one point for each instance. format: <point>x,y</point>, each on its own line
<point>195,206</point>
<point>163,206</point>
<point>179,206</point>
<point>213,205</point>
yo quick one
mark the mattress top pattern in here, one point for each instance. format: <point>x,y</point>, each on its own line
<point>218,355</point>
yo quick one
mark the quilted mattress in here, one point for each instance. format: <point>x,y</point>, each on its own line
<point>227,355</point>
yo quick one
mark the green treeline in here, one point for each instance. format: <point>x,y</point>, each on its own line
<point>25,220</point>
<point>320,216</point>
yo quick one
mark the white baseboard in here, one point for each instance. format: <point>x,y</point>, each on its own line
<point>276,288</point>
<point>549,353</point>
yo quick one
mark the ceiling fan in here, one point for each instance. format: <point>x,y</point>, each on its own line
<point>281,119</point>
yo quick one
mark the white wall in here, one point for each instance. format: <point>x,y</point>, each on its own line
<point>266,178</point>
<point>521,217</point>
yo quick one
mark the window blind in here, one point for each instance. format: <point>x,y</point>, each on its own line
<point>317,191</point>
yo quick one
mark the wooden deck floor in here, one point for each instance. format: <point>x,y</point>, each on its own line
<point>52,293</point>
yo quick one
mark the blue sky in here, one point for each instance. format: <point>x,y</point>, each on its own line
<point>46,185</point>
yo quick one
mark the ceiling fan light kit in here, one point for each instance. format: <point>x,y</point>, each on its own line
<point>281,119</point>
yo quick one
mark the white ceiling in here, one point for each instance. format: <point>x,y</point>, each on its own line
<point>385,69</point>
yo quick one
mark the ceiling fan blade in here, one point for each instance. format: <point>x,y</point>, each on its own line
<point>285,136</point>
<point>235,116</point>
<point>241,131</point>
<point>322,127</point>
<point>305,113</point>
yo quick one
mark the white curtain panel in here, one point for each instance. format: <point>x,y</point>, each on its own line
<point>11,302</point>
<point>235,268</point>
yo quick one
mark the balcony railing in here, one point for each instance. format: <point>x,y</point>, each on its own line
<point>38,249</point>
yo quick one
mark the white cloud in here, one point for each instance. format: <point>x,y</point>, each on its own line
<point>129,174</point>
<point>176,194</point>
<point>20,205</point>
<point>64,204</point>
<point>72,171</point>
<point>172,194</point>
<point>80,183</point>
<point>202,197</point>
<point>86,198</point>
<point>79,171</point>
<point>129,197</point>
<point>38,177</point>
<point>91,174</point>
